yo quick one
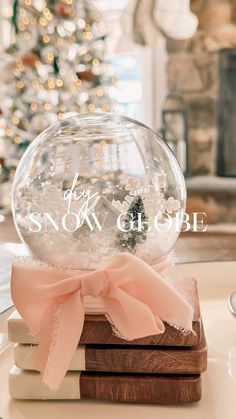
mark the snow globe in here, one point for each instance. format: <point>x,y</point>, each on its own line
<point>94,185</point>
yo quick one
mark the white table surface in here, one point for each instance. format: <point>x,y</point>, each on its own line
<point>216,280</point>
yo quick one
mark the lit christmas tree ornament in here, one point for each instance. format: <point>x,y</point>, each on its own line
<point>54,44</point>
<point>95,185</point>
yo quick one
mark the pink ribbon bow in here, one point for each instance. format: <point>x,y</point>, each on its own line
<point>135,297</point>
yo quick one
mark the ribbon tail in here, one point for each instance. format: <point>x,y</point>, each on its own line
<point>129,317</point>
<point>68,326</point>
<point>44,337</point>
<point>163,300</point>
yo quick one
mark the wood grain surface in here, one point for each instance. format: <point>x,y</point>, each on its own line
<point>146,360</point>
<point>97,330</point>
<point>161,389</point>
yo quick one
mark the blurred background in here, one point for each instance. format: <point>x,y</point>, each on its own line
<point>170,64</point>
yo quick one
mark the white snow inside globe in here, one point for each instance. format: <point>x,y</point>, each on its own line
<point>94,185</point>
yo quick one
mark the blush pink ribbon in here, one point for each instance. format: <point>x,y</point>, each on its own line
<point>135,297</point>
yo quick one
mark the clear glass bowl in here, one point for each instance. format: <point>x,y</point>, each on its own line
<point>94,185</point>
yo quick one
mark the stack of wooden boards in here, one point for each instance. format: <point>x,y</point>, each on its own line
<point>164,368</point>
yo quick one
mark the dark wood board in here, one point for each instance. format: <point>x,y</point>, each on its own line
<point>130,359</point>
<point>141,388</point>
<point>98,331</point>
<point>146,360</point>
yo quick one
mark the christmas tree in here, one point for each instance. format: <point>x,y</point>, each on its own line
<point>55,64</point>
<point>137,230</point>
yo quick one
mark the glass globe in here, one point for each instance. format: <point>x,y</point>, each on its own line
<point>94,185</point>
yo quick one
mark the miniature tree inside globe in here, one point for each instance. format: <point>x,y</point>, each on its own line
<point>94,185</point>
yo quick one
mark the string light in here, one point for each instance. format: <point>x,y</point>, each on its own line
<point>27,2</point>
<point>100,92</point>
<point>96,61</point>
<point>87,35</point>
<point>59,83</point>
<point>15,120</point>
<point>69,1</point>
<point>27,36</point>
<point>91,107</point>
<point>22,12</point>
<point>34,106</point>
<point>21,27</point>
<point>35,83</point>
<point>105,107</point>
<point>46,39</point>
<point>51,84</point>
<point>26,20</point>
<point>60,115</point>
<point>47,106</point>
<point>43,21</point>
<point>50,57</point>
<point>20,85</point>
<point>47,14</point>
<point>9,132</point>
